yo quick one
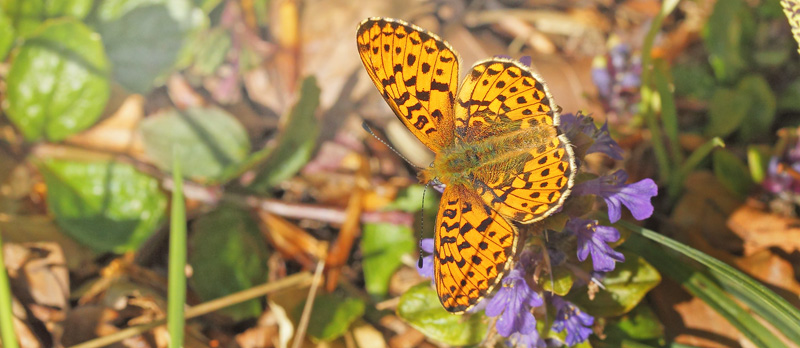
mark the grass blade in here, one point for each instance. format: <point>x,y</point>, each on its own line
<point>176,293</point>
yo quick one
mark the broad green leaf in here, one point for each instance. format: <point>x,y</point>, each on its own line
<point>295,143</point>
<point>331,316</point>
<point>732,172</point>
<point>107,206</point>
<point>29,14</point>
<point>726,112</point>
<point>383,246</point>
<point>762,107</point>
<point>7,35</point>
<point>561,282</point>
<point>639,324</point>
<point>228,254</point>
<point>58,83</point>
<point>210,142</point>
<point>693,80</point>
<point>625,287</point>
<point>725,38</point>
<point>420,307</point>
<point>143,38</point>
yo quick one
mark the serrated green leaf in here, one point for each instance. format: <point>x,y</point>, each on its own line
<point>107,206</point>
<point>211,143</point>
<point>727,111</point>
<point>295,143</point>
<point>625,287</point>
<point>762,106</point>
<point>29,14</point>
<point>383,246</point>
<point>228,254</point>
<point>332,315</point>
<point>144,38</point>
<point>7,35</point>
<point>561,282</point>
<point>420,307</point>
<point>57,84</point>
<point>732,172</point>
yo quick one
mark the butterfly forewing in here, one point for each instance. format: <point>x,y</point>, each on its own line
<point>417,74</point>
<point>474,245</point>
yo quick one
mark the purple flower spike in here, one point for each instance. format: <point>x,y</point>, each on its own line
<point>593,239</point>
<point>514,301</point>
<point>427,261</point>
<point>636,196</point>
<point>603,143</point>
<point>577,323</point>
<point>531,340</point>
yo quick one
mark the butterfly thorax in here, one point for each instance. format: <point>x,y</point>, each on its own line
<point>486,158</point>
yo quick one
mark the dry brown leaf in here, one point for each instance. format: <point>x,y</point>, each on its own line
<point>773,270</point>
<point>118,132</point>
<point>292,242</point>
<point>759,229</point>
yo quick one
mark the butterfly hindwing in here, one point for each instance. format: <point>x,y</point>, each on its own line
<point>472,249</point>
<point>502,97</point>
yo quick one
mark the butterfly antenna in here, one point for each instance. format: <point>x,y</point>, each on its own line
<point>369,130</point>
<point>422,224</point>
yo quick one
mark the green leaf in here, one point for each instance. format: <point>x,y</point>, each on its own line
<point>762,106</point>
<point>144,38</point>
<point>57,85</point>
<point>724,38</point>
<point>420,307</point>
<point>625,287</point>
<point>383,246</point>
<point>732,173</point>
<point>726,112</point>
<point>29,14</point>
<point>639,324</point>
<point>758,161</point>
<point>561,282</point>
<point>212,142</point>
<point>107,206</point>
<point>7,35</point>
<point>763,302</point>
<point>212,48</point>
<point>693,80</point>
<point>228,254</point>
<point>295,144</point>
<point>332,315</point>
<point>790,97</point>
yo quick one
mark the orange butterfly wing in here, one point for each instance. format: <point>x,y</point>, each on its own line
<point>474,246</point>
<point>417,74</point>
<point>500,97</point>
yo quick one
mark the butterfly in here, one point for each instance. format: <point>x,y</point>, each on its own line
<point>498,150</point>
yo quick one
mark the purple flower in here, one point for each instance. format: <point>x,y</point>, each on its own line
<point>778,179</point>
<point>593,239</point>
<point>571,125</point>
<point>636,196</point>
<point>531,340</point>
<point>514,301</point>
<point>577,323</point>
<point>603,143</point>
<point>427,262</point>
